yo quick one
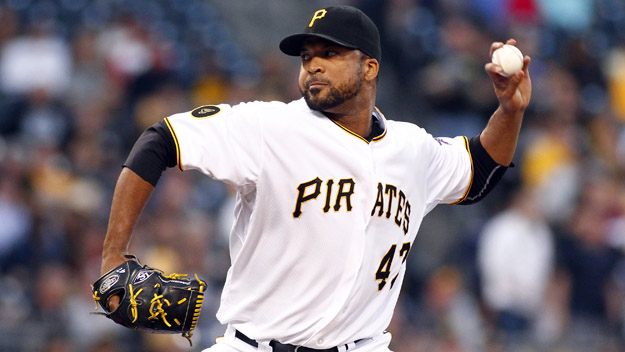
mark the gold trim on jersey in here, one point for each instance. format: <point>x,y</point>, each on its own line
<point>173,133</point>
<point>350,132</point>
<point>374,139</point>
<point>466,193</point>
<point>377,138</point>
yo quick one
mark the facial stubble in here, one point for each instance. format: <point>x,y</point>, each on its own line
<point>336,95</point>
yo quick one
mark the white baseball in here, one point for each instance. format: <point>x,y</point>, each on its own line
<point>510,58</point>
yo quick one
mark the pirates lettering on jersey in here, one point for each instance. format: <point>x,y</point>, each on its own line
<point>312,189</point>
<point>385,204</point>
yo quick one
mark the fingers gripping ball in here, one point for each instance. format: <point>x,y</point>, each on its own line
<point>510,58</point>
<point>149,300</point>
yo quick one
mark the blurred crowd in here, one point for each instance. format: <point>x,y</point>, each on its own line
<point>537,266</point>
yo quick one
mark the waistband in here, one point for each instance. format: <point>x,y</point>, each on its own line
<point>281,347</point>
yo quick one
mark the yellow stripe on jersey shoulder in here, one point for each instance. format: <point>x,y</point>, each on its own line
<point>173,133</point>
<point>466,192</point>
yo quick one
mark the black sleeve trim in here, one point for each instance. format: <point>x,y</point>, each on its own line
<point>154,151</point>
<point>486,172</point>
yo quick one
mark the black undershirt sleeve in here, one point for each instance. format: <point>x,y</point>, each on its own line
<point>486,172</point>
<point>153,152</point>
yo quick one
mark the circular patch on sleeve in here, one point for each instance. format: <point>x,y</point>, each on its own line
<point>205,111</point>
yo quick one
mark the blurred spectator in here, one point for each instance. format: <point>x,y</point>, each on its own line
<point>89,83</point>
<point>551,159</point>
<point>39,120</point>
<point>126,49</point>
<point>212,83</point>
<point>574,16</point>
<point>516,261</point>
<point>615,68</point>
<point>455,85</point>
<point>454,312</point>
<point>587,264</point>
<point>15,216</point>
<point>446,319</point>
<point>38,60</point>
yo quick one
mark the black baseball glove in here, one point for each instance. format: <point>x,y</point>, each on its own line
<point>149,300</point>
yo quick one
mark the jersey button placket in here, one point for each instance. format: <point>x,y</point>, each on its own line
<point>372,178</point>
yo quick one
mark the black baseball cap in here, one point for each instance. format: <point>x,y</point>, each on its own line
<point>343,25</point>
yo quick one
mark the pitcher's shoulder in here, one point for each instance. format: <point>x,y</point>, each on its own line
<point>404,128</point>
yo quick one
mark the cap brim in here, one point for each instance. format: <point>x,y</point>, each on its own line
<point>292,45</point>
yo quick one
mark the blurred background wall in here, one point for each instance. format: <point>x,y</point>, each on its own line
<point>537,266</point>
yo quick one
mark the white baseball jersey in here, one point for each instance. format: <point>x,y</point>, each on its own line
<point>324,219</point>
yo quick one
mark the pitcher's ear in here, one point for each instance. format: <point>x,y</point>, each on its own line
<point>371,69</point>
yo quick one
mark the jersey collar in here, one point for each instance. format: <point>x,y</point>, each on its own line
<point>378,126</point>
<point>378,123</point>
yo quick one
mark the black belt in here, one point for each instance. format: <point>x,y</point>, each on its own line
<point>281,347</point>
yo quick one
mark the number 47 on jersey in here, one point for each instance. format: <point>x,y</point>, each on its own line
<point>384,270</point>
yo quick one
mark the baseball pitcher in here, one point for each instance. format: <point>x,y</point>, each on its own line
<point>330,193</point>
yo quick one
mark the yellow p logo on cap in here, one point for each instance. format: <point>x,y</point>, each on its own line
<point>318,15</point>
